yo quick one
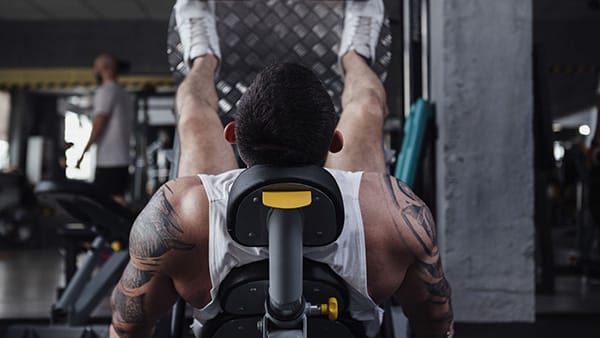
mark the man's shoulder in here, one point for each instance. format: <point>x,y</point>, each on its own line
<point>110,88</point>
<point>185,196</point>
<point>179,207</point>
<point>390,206</point>
<point>172,224</point>
<point>100,90</point>
<point>107,86</point>
<point>104,93</point>
<point>189,188</point>
<point>393,186</point>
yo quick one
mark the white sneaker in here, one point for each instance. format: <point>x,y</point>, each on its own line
<point>196,24</point>
<point>362,23</point>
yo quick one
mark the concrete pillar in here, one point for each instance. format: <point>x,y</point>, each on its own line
<point>482,87</point>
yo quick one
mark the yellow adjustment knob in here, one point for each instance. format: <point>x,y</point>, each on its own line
<point>116,246</point>
<point>331,309</point>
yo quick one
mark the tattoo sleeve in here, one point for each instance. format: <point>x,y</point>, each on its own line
<point>425,291</point>
<point>155,233</point>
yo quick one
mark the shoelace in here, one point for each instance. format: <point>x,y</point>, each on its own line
<point>198,28</point>
<point>363,30</point>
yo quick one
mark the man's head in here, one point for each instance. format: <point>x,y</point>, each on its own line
<point>286,118</point>
<point>105,67</point>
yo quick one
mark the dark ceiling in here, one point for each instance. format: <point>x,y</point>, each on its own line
<point>29,10</point>
<point>567,50</point>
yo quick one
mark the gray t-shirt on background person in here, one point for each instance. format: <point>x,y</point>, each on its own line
<point>113,145</point>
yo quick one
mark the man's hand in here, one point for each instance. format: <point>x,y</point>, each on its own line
<point>112,333</point>
<point>98,126</point>
<point>78,165</point>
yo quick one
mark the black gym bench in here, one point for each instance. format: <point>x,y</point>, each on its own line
<point>107,222</point>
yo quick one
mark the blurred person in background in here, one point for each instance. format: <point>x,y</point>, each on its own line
<point>111,128</point>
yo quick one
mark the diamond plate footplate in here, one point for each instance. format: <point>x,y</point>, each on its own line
<point>255,33</point>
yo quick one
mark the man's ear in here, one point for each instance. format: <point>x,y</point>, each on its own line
<point>337,142</point>
<point>229,132</point>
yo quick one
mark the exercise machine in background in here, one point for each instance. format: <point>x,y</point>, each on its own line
<point>107,224</point>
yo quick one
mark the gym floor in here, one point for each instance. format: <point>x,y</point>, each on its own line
<point>29,280</point>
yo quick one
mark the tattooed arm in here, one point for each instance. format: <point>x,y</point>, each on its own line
<point>146,290</point>
<point>425,292</point>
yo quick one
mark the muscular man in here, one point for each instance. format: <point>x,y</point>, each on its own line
<point>111,128</point>
<point>285,118</point>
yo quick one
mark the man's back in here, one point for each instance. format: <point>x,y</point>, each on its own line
<point>170,241</point>
<point>346,256</point>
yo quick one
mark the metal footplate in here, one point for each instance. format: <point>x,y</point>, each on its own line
<point>256,33</point>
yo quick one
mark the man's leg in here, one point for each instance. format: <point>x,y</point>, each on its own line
<point>363,99</point>
<point>361,123</point>
<point>203,147</point>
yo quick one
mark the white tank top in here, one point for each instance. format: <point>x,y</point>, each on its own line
<point>346,256</point>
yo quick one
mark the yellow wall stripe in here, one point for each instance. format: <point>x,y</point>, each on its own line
<point>71,77</point>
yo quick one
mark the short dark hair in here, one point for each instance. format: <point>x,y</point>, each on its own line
<point>285,118</point>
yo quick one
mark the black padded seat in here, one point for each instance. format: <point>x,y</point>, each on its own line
<point>84,202</point>
<point>243,293</point>
<point>247,217</point>
<point>244,290</point>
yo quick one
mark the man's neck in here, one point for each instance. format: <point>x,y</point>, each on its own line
<point>108,77</point>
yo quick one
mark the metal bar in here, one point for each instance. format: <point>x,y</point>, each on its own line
<point>425,49</point>
<point>177,319</point>
<point>407,57</point>
<point>141,130</point>
<point>79,280</point>
<point>285,262</point>
<point>400,325</point>
<point>98,287</point>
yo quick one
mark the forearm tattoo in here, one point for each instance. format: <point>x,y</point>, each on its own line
<point>155,232</point>
<point>417,226</point>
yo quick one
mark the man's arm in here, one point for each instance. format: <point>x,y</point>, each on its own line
<point>98,126</point>
<point>146,291</point>
<point>425,292</point>
<point>104,99</point>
